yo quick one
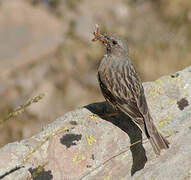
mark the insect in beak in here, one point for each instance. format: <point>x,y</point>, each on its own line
<point>98,36</point>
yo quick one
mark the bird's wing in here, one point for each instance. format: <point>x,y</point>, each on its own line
<point>122,88</point>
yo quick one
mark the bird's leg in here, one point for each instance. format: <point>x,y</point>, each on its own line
<point>109,114</point>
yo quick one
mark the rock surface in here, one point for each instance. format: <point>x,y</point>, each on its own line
<point>81,145</point>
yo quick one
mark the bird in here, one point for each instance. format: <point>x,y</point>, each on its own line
<point>122,88</point>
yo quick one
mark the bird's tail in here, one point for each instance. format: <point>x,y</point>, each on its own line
<point>157,140</point>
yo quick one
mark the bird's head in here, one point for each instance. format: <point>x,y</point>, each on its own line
<point>114,44</point>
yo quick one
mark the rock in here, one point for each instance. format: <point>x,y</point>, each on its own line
<point>81,145</point>
<point>26,34</point>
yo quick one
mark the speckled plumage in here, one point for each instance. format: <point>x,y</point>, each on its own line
<point>122,88</point>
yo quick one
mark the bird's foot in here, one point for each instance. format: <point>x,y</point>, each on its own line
<point>109,114</point>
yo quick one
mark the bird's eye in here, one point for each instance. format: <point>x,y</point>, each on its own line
<point>114,42</point>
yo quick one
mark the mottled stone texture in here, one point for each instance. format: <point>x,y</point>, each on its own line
<point>81,145</point>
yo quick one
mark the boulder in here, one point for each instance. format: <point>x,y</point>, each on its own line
<point>82,145</point>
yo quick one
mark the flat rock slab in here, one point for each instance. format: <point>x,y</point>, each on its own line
<point>26,34</point>
<point>81,145</point>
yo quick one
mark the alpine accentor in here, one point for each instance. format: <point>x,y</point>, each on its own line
<point>122,87</point>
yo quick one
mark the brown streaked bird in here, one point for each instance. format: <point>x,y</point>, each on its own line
<point>122,87</point>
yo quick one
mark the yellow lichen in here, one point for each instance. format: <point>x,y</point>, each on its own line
<point>164,122</point>
<point>158,81</point>
<point>108,176</point>
<point>155,92</point>
<point>78,158</point>
<point>168,132</point>
<point>170,101</point>
<point>175,79</point>
<point>90,140</point>
<point>75,159</point>
<point>185,92</point>
<point>93,116</point>
<point>179,84</point>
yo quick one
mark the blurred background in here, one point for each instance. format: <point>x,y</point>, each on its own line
<point>45,47</point>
